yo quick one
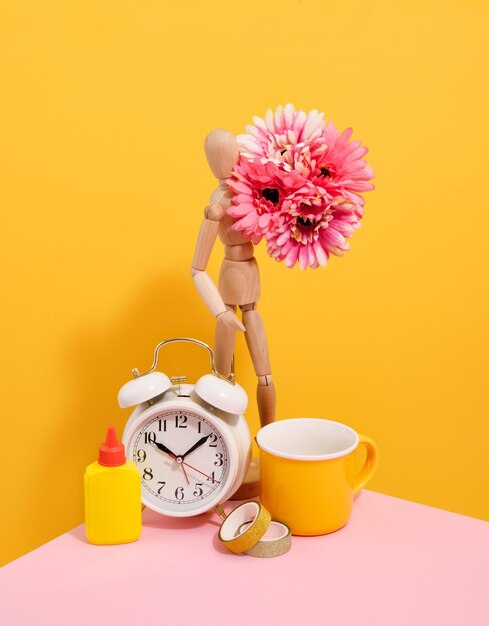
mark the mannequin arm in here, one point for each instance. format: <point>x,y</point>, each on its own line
<point>207,236</point>
<point>209,293</point>
<point>203,282</point>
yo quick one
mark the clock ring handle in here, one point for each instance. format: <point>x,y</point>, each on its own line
<point>230,378</point>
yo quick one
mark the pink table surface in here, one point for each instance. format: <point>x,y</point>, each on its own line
<point>396,563</point>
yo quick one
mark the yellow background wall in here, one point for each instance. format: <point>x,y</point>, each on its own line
<point>104,109</point>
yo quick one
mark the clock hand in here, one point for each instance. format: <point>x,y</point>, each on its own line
<point>185,474</point>
<point>163,448</point>
<point>199,443</point>
<point>197,470</point>
<point>179,460</point>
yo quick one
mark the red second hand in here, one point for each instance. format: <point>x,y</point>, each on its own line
<point>197,470</point>
<point>194,468</point>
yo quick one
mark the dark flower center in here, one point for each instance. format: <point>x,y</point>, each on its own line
<point>270,194</point>
<point>325,172</point>
<point>306,223</point>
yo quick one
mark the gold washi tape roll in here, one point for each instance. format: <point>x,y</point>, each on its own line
<point>257,520</point>
<point>275,542</point>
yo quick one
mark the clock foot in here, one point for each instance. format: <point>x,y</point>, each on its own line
<point>251,484</point>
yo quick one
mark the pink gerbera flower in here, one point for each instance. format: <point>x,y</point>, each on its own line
<point>260,189</point>
<point>297,184</point>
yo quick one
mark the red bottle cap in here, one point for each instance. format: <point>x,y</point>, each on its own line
<point>111,453</point>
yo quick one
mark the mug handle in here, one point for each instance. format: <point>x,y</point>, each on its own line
<point>370,464</point>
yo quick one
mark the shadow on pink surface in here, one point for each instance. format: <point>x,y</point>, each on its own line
<point>152,519</point>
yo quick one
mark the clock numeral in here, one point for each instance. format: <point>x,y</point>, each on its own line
<point>211,478</point>
<point>179,495</point>
<point>198,490</point>
<point>141,454</point>
<point>164,425</point>
<point>199,427</point>
<point>147,473</point>
<point>212,440</point>
<point>218,462</point>
<point>150,437</point>
<point>180,421</point>
<point>160,482</point>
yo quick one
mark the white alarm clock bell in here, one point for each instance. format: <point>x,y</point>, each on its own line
<point>191,443</point>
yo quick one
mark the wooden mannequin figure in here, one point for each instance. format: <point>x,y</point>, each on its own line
<point>239,280</point>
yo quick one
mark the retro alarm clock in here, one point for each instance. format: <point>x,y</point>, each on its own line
<point>190,442</point>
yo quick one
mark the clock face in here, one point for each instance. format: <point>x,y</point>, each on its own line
<point>183,460</point>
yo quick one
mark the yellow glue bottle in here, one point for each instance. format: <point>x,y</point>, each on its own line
<point>112,495</point>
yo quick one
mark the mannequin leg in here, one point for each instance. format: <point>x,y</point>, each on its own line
<point>257,346</point>
<point>265,393</point>
<point>266,399</point>
<point>225,339</point>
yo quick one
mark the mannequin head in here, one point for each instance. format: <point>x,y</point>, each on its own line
<point>222,152</point>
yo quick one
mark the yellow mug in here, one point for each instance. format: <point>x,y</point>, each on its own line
<point>308,473</point>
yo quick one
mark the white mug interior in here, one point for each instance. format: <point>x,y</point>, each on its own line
<point>307,439</point>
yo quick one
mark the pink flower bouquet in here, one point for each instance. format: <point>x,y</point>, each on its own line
<point>297,184</point>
